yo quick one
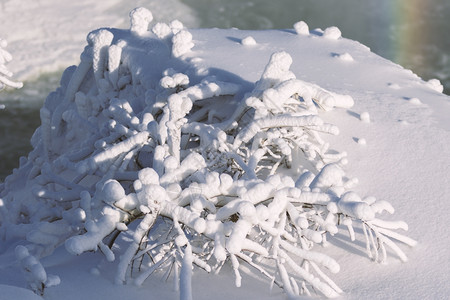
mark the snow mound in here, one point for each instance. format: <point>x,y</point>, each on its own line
<point>196,171</point>
<point>12,292</point>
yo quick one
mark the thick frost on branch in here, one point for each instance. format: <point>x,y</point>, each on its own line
<point>195,175</point>
<point>5,74</point>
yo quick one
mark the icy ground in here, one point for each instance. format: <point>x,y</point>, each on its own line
<point>396,136</point>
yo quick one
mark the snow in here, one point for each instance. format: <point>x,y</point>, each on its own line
<point>6,57</point>
<point>332,33</point>
<point>248,41</point>
<point>301,28</point>
<point>408,165</point>
<point>49,41</point>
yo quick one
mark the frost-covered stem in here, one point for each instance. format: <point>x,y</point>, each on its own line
<point>144,275</point>
<point>91,239</point>
<point>326,278</point>
<point>374,246</point>
<point>235,265</point>
<point>140,233</point>
<point>37,277</point>
<point>276,121</point>
<point>320,258</point>
<point>287,288</point>
<point>384,240</point>
<point>248,260</point>
<point>324,288</point>
<point>6,57</point>
<point>186,274</point>
<point>366,237</point>
<point>7,82</point>
<point>399,237</point>
<point>95,161</point>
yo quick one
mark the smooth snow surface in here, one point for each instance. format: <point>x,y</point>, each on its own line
<point>8,292</point>
<point>401,155</point>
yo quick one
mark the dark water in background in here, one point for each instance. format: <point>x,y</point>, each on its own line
<point>19,118</point>
<point>412,33</point>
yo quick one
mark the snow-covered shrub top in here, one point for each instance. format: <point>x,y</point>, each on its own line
<point>195,173</point>
<point>5,74</point>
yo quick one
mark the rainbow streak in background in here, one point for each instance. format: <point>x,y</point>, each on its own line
<point>419,37</point>
<point>410,35</point>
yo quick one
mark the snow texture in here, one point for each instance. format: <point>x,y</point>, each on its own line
<point>162,168</point>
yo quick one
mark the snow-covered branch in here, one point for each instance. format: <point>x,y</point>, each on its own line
<point>196,174</point>
<point>5,74</point>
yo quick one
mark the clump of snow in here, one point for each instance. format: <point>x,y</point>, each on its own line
<point>436,85</point>
<point>162,30</point>
<point>34,272</point>
<point>140,18</point>
<point>5,74</point>
<point>301,28</point>
<point>365,117</point>
<point>176,26</point>
<point>248,41</point>
<point>194,171</point>
<point>332,33</point>
<point>182,43</point>
<point>362,141</point>
<point>345,57</point>
<point>415,101</point>
<point>172,81</point>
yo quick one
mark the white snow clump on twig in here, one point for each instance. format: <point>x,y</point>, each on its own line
<point>332,33</point>
<point>301,28</point>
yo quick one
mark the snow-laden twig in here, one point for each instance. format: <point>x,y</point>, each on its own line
<point>194,173</point>
<point>5,74</point>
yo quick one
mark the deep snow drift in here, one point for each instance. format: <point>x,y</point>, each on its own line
<point>228,134</point>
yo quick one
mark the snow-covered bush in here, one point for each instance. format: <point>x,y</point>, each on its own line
<point>5,74</point>
<point>135,143</point>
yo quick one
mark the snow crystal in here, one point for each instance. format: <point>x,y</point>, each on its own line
<point>332,33</point>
